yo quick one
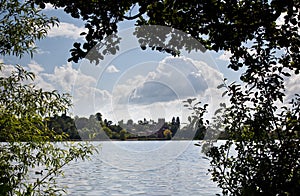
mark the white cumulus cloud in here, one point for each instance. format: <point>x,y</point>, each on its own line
<point>35,67</point>
<point>87,99</point>
<point>165,87</point>
<point>67,30</point>
<point>112,69</point>
<point>40,81</point>
<point>292,86</point>
<point>65,76</point>
<point>6,70</point>
<point>225,56</point>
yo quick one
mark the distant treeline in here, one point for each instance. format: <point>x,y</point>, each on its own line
<point>97,128</point>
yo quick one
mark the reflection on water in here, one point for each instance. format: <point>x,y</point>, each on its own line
<point>141,168</point>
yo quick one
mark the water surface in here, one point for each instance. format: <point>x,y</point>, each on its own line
<point>141,168</point>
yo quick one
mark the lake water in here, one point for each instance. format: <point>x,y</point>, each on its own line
<point>141,168</point>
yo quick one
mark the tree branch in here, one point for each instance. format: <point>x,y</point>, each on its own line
<point>133,17</point>
<point>142,11</point>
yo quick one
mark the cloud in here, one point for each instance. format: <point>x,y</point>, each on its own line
<point>40,51</point>
<point>32,67</point>
<point>225,56</point>
<point>151,92</point>
<point>65,76</point>
<point>152,111</point>
<point>173,78</point>
<point>67,30</point>
<point>87,99</point>
<point>160,91</point>
<point>35,67</point>
<point>49,6</point>
<point>6,70</point>
<point>112,69</point>
<point>125,88</point>
<point>292,86</point>
<point>280,19</point>
<point>40,81</point>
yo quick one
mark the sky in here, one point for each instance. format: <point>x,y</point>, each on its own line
<point>134,83</point>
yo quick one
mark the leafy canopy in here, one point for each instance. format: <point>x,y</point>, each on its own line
<point>21,24</point>
<point>216,24</point>
<point>27,144</point>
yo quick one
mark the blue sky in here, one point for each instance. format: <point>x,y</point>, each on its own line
<point>132,84</point>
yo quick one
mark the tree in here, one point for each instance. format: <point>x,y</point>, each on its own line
<point>174,126</point>
<point>168,134</point>
<point>21,24</point>
<point>173,121</point>
<point>217,25</point>
<point>29,141</point>
<point>108,132</point>
<point>99,118</point>
<point>267,52</point>
<point>81,122</point>
<point>130,122</point>
<point>63,125</point>
<point>24,110</point>
<point>123,135</point>
<point>178,121</point>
